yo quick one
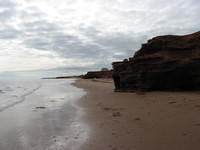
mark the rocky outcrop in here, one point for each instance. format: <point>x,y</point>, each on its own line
<point>163,63</point>
<point>98,74</point>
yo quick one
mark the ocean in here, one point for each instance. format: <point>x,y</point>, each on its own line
<point>15,91</point>
<point>38,114</point>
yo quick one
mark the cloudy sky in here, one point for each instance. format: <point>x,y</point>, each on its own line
<point>46,34</point>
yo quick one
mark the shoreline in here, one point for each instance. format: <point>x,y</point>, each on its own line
<point>87,114</point>
<point>128,121</point>
<point>46,120</point>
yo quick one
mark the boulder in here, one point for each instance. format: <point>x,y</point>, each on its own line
<point>164,63</point>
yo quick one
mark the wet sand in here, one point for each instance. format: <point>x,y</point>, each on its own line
<point>130,121</point>
<point>46,119</point>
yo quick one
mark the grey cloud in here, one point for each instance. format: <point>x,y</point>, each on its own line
<point>65,45</point>
<point>47,36</point>
<point>8,10</point>
<point>8,33</point>
<point>29,14</point>
<point>7,14</point>
<point>7,4</point>
<point>39,26</point>
<point>158,17</point>
<point>116,42</point>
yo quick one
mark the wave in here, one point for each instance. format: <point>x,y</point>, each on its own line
<point>13,94</point>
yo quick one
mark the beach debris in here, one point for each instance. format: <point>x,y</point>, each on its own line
<point>172,102</point>
<point>116,114</point>
<point>40,107</point>
<point>54,138</point>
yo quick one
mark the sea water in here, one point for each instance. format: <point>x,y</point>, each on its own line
<point>55,126</point>
<point>14,91</point>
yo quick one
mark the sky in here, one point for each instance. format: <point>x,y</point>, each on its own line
<point>85,34</point>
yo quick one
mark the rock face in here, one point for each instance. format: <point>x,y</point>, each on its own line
<point>163,63</point>
<point>98,74</point>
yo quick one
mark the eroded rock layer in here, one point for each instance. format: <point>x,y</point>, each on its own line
<point>163,63</point>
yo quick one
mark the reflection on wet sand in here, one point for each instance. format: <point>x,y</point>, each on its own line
<point>47,120</point>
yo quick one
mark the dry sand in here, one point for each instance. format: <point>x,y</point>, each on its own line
<point>129,121</point>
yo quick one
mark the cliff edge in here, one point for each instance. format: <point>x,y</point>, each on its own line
<point>163,63</point>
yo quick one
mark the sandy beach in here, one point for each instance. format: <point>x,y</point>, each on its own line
<point>100,75</point>
<point>89,115</point>
<point>142,121</point>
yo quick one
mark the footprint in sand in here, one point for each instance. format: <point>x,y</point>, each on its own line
<point>116,114</point>
<point>137,118</point>
<point>116,111</point>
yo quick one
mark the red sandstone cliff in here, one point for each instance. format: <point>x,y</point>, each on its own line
<point>163,63</point>
<point>104,73</point>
